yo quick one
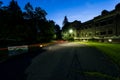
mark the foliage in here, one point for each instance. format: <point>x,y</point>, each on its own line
<point>58,32</point>
<point>30,26</point>
<point>101,75</point>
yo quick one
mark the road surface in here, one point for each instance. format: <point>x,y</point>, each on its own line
<point>71,61</point>
<point>67,61</point>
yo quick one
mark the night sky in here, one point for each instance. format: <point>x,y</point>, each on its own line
<point>81,10</point>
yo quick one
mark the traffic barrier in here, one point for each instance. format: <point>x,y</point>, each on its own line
<point>6,53</point>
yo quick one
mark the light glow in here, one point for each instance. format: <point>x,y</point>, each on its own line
<point>41,45</point>
<point>110,40</point>
<point>70,31</point>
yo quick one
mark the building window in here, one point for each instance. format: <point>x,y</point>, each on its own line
<point>97,33</point>
<point>82,34</point>
<point>96,24</point>
<point>90,34</point>
<point>110,21</point>
<point>110,32</point>
<point>86,27</point>
<point>78,35</point>
<point>103,23</point>
<point>102,33</point>
<point>90,26</point>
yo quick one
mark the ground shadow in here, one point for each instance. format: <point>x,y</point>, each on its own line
<point>14,67</point>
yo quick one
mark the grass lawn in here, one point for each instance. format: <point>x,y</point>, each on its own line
<point>110,49</point>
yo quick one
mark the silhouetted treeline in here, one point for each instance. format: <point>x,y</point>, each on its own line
<point>30,26</point>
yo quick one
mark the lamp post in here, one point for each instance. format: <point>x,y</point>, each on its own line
<point>71,34</point>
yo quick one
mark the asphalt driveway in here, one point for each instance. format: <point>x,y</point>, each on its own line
<point>70,61</point>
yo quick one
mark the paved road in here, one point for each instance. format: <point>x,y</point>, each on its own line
<point>70,61</point>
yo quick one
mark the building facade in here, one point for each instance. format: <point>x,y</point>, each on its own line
<point>105,27</point>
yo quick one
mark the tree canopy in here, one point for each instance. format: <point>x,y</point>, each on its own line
<point>30,26</point>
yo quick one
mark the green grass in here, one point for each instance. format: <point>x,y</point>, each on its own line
<point>97,74</point>
<point>110,49</point>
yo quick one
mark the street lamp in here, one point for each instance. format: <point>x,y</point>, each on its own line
<point>110,40</point>
<point>70,31</point>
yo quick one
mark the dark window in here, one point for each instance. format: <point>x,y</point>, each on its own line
<point>96,24</point>
<point>102,33</point>
<point>86,27</point>
<point>110,21</point>
<point>110,32</point>
<point>78,34</point>
<point>103,23</point>
<point>90,26</point>
<point>97,33</point>
<point>89,34</point>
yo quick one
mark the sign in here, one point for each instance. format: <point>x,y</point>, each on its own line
<point>15,50</point>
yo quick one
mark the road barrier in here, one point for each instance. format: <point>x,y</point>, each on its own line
<point>16,50</point>
<point>6,53</point>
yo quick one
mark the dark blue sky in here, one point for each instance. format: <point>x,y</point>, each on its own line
<point>81,10</point>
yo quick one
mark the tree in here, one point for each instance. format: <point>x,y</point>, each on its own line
<point>58,31</point>
<point>65,21</point>
<point>29,11</point>
<point>15,12</point>
<point>37,22</point>
<point>40,14</point>
<point>1,3</point>
<point>15,20</point>
<point>25,26</point>
<point>4,22</point>
<point>30,22</point>
<point>65,24</point>
<point>47,31</point>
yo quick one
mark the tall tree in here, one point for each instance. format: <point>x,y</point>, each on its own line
<point>15,19</point>
<point>50,27</point>
<point>1,3</point>
<point>40,14</point>
<point>65,24</point>
<point>65,21</point>
<point>36,19</point>
<point>29,11</point>
<point>39,17</point>
<point>15,12</point>
<point>57,31</point>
